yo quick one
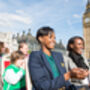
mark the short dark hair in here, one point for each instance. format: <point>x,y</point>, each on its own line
<point>72,41</point>
<point>43,32</point>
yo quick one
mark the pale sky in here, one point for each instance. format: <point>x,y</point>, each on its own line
<point>64,16</point>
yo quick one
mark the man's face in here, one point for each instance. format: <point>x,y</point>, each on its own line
<point>49,40</point>
<point>78,46</point>
<point>24,49</point>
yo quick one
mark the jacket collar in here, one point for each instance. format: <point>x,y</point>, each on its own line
<point>58,61</point>
<point>46,62</point>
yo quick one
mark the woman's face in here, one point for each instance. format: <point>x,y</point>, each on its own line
<point>48,41</point>
<point>24,49</point>
<point>20,62</point>
<point>78,46</point>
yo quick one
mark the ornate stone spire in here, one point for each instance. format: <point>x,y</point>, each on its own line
<point>88,1</point>
<point>88,4</point>
<point>88,7</point>
<point>23,35</point>
<point>13,37</point>
<point>23,32</point>
<point>29,32</point>
<point>18,35</point>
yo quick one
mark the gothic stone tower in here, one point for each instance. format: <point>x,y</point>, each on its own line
<point>86,26</point>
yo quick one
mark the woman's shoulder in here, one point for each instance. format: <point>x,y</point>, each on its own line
<point>57,53</point>
<point>8,68</point>
<point>67,58</point>
<point>35,52</point>
<point>69,62</point>
<point>35,56</point>
<point>11,66</point>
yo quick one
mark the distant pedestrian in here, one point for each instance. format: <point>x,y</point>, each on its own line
<point>23,47</point>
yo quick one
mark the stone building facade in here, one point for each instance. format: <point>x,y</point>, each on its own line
<point>33,44</point>
<point>86,30</point>
<point>7,38</point>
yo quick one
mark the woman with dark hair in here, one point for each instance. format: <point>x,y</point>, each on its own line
<point>47,67</point>
<point>75,48</point>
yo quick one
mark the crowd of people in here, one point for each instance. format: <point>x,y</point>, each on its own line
<point>45,69</point>
<point>15,75</point>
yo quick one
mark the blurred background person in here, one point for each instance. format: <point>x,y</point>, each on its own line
<point>14,74</point>
<point>2,52</point>
<point>75,59</point>
<point>5,59</point>
<point>23,47</point>
<point>7,50</point>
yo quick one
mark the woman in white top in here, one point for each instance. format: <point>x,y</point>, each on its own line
<point>75,59</point>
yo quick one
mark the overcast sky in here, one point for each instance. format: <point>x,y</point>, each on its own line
<point>65,16</point>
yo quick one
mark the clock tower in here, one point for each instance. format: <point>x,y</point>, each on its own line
<point>86,29</point>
